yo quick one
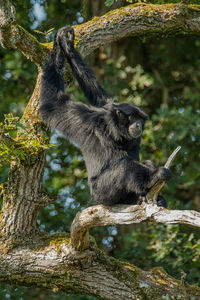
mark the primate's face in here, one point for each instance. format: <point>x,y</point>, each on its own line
<point>135,126</point>
<point>130,120</point>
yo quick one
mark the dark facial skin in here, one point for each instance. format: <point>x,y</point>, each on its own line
<point>130,125</point>
<point>135,126</point>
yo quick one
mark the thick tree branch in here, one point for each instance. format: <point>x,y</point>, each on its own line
<point>138,20</point>
<point>14,36</point>
<point>133,20</point>
<point>101,215</point>
<point>52,263</point>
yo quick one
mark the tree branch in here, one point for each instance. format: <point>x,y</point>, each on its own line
<point>14,36</point>
<point>133,20</point>
<point>51,263</point>
<point>137,20</point>
<point>101,215</point>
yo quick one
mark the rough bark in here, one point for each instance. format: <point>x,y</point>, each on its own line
<point>22,194</point>
<point>13,35</point>
<point>52,263</point>
<point>132,20</point>
<point>137,20</point>
<point>26,257</point>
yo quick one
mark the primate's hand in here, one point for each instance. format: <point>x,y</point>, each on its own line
<point>65,38</point>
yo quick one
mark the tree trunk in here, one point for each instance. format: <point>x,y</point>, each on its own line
<point>22,194</point>
<point>22,191</point>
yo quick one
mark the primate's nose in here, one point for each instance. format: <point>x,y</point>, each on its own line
<point>138,124</point>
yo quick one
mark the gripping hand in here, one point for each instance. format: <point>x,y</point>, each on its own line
<point>65,38</point>
<point>160,174</point>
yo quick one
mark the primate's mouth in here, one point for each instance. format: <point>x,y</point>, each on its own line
<point>134,133</point>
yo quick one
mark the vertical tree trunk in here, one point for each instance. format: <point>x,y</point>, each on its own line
<point>22,194</point>
<point>20,201</point>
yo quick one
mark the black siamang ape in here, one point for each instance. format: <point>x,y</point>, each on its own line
<point>107,133</point>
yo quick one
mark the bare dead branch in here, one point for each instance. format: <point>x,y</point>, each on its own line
<point>101,215</point>
<point>171,158</point>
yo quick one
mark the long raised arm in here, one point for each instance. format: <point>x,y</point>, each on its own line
<point>93,91</point>
<point>70,117</point>
<point>52,86</point>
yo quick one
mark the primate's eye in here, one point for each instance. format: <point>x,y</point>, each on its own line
<point>131,118</point>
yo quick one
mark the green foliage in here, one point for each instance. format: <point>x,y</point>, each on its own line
<point>128,83</point>
<point>19,142</point>
<point>109,2</point>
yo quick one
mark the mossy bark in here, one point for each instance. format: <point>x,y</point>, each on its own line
<point>50,262</point>
<point>22,194</point>
<point>21,200</point>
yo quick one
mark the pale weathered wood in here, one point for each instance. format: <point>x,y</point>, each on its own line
<point>101,215</point>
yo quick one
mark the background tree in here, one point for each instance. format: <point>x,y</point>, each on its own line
<point>158,74</point>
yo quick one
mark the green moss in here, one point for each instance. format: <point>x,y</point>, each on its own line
<point>195,7</point>
<point>117,267</point>
<point>32,49</point>
<point>146,9</point>
<point>56,240</point>
<point>147,12</point>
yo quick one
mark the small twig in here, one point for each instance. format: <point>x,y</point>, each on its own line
<point>152,195</point>
<point>45,200</point>
<point>171,158</point>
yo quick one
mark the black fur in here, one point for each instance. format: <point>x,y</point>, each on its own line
<point>107,133</point>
